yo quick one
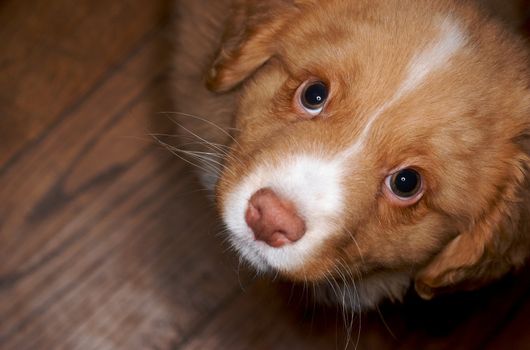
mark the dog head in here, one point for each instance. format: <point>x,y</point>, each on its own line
<point>375,137</point>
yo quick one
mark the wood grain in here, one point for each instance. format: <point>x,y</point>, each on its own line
<point>105,241</point>
<point>53,53</point>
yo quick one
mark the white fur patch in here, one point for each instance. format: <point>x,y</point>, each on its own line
<point>433,58</point>
<point>312,184</point>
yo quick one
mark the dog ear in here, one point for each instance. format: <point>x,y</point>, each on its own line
<point>248,41</point>
<point>492,246</point>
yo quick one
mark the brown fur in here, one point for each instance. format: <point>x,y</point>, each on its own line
<point>467,128</point>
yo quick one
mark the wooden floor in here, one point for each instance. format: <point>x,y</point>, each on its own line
<point>105,243</point>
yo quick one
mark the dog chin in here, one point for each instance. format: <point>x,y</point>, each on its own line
<point>355,294</point>
<point>366,293</point>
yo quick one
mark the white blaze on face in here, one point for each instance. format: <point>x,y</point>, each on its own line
<point>314,183</point>
<point>434,58</point>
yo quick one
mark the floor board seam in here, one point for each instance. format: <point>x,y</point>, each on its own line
<point>78,103</point>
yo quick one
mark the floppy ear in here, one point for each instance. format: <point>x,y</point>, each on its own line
<point>495,244</point>
<point>248,41</point>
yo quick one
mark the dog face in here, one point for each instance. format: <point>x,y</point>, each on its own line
<point>375,138</point>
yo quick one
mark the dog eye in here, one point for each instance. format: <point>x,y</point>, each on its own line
<point>405,184</point>
<point>313,97</point>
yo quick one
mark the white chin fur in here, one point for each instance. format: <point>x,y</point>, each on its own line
<point>312,184</point>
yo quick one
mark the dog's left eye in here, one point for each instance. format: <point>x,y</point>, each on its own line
<point>404,187</point>
<point>313,96</point>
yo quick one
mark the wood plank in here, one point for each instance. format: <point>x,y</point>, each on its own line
<point>53,53</point>
<point>274,316</point>
<point>102,242</point>
<point>49,165</point>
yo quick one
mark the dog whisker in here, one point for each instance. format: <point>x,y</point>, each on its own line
<point>205,121</point>
<point>170,148</point>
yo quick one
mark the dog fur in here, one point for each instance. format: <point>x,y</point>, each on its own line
<point>434,84</point>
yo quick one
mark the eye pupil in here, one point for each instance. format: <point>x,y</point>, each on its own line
<point>314,95</point>
<point>406,183</point>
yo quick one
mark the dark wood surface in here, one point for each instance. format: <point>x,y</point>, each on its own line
<point>105,241</point>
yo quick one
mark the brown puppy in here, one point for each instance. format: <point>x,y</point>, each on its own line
<point>376,142</point>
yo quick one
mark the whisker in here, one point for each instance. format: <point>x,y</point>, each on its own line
<point>191,132</point>
<point>206,121</point>
<point>356,244</point>
<point>174,152</point>
<point>384,322</point>
<point>239,274</point>
<point>347,324</point>
<point>201,156</point>
<point>356,300</point>
<point>214,146</point>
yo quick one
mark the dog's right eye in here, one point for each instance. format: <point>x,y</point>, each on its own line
<point>313,97</point>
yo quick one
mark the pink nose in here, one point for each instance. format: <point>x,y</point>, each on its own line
<point>274,220</point>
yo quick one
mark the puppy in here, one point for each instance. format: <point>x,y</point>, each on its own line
<point>372,143</point>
